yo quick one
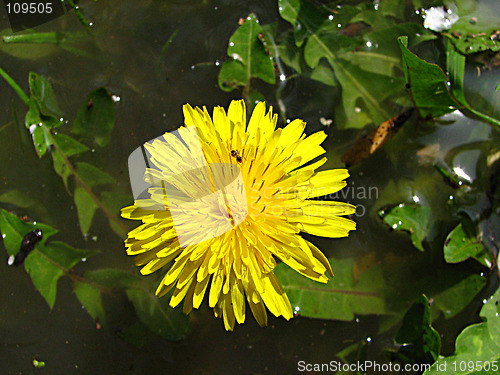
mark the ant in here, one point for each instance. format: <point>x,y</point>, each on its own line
<point>235,154</point>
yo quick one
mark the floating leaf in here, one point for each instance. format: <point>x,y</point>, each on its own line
<point>420,341</point>
<point>340,298</point>
<point>477,347</point>
<point>248,57</point>
<point>460,246</point>
<point>96,117</point>
<point>427,83</point>
<point>412,218</point>
<point>156,314</point>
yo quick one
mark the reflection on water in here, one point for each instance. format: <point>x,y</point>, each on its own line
<point>153,83</point>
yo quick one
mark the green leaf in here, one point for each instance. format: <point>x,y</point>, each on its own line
<point>92,176</point>
<point>156,314</point>
<point>17,198</point>
<point>304,16</point>
<point>360,92</point>
<point>478,344</point>
<point>35,124</point>
<point>381,53</point>
<point>456,292</point>
<point>428,84</point>
<point>33,45</point>
<point>67,147</point>
<point>48,262</point>
<point>14,229</point>
<point>90,297</point>
<point>327,42</point>
<point>42,92</point>
<point>455,63</point>
<point>412,218</point>
<point>393,8</point>
<point>114,203</point>
<point>420,341</point>
<point>21,51</point>
<point>96,117</point>
<point>86,207</point>
<point>460,246</point>
<point>248,57</point>
<point>136,335</point>
<point>340,298</point>
<point>476,28</point>
<point>90,288</point>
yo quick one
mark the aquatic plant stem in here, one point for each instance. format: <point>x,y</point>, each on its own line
<point>111,217</point>
<point>19,91</point>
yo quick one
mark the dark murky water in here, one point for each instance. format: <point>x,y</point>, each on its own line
<point>153,87</point>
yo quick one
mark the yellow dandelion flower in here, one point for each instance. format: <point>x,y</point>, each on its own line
<point>224,200</point>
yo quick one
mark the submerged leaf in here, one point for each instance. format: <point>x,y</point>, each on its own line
<point>412,218</point>
<point>90,288</point>
<point>156,314</point>
<point>96,117</point>
<point>86,207</point>
<point>341,298</point>
<point>42,92</point>
<point>420,341</point>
